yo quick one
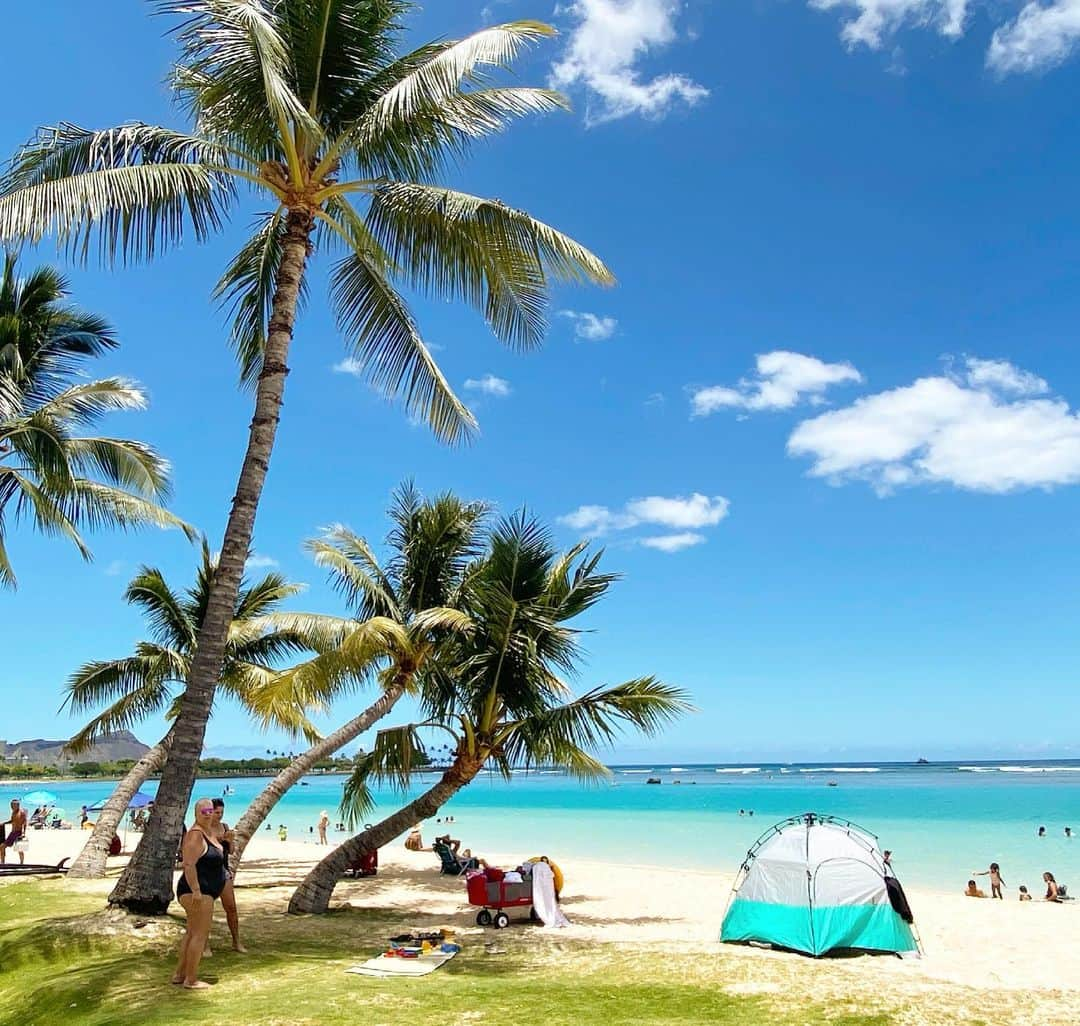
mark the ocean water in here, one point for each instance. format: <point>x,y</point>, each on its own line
<point>942,821</point>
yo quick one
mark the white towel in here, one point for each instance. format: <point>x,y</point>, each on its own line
<point>543,896</point>
<point>420,966</point>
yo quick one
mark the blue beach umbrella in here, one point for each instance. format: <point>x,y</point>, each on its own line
<point>36,798</point>
<point>138,801</point>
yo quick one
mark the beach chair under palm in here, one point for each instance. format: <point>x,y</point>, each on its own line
<point>452,865</point>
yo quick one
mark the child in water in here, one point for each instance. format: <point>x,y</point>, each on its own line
<point>1024,896</point>
<point>996,883</point>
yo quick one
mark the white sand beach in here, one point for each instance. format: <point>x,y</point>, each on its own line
<point>1011,948</point>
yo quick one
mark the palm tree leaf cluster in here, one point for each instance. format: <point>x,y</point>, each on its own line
<point>312,108</point>
<point>147,682</point>
<point>51,471</point>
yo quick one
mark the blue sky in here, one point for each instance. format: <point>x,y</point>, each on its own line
<point>824,425</point>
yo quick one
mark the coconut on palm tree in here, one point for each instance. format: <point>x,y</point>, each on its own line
<point>51,472</point>
<point>499,694</point>
<point>148,681</point>
<point>402,614</point>
<point>311,107</point>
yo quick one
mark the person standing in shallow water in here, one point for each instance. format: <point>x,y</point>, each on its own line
<point>202,879</point>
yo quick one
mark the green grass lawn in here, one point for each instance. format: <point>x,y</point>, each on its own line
<point>54,969</point>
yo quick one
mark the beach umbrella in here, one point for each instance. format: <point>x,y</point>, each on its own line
<point>36,798</point>
<point>138,801</point>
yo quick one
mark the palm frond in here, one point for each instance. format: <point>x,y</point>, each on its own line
<point>497,259</point>
<point>387,346</point>
<point>354,572</point>
<point>134,188</point>
<point>234,73</point>
<point>357,801</point>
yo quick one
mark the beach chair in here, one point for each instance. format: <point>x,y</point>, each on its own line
<point>452,865</point>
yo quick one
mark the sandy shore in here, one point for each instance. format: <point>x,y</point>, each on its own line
<point>1003,946</point>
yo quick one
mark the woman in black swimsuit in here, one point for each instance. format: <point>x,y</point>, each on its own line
<point>201,881</point>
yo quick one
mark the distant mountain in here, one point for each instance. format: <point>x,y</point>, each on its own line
<point>39,752</point>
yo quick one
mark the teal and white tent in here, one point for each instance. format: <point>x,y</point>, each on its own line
<point>818,884</point>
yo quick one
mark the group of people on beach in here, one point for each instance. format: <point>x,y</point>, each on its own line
<point>1054,891</point>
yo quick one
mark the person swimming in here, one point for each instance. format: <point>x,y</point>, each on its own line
<point>1041,832</point>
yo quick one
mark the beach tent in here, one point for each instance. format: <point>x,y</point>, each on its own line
<point>818,884</point>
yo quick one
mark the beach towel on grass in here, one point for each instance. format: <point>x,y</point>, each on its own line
<point>397,966</point>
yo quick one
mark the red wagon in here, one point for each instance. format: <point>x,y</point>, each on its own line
<point>493,896</point>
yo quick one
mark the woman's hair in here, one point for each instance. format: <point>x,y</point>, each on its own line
<point>1049,877</point>
<point>1023,889</point>
<point>971,883</point>
<point>994,866</point>
<point>201,803</point>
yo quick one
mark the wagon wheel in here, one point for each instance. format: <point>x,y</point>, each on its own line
<point>502,920</point>
<point>483,917</point>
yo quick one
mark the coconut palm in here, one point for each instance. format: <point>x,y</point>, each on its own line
<point>146,683</point>
<point>401,615</point>
<point>49,471</point>
<point>500,695</point>
<point>310,106</point>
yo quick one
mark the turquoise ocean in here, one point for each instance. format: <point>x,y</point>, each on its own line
<point>942,820</point>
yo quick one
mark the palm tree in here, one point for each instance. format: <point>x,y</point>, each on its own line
<point>401,616</point>
<point>308,105</point>
<point>145,683</point>
<point>48,470</point>
<point>500,696</point>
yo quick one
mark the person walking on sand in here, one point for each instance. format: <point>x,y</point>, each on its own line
<point>16,837</point>
<point>996,883</point>
<point>202,879</point>
<point>223,834</point>
<point>324,822</point>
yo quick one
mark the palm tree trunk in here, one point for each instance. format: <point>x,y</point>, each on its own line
<point>263,805</point>
<point>314,892</point>
<point>90,865</point>
<point>145,886</point>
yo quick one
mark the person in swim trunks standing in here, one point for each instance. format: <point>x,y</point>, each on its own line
<point>17,832</point>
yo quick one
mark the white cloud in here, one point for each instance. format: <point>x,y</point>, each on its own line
<point>115,568</point>
<point>673,542</point>
<point>257,561</point>
<point>590,327</point>
<point>1002,376</point>
<point>696,511</point>
<point>607,41</point>
<point>980,429</point>
<point>683,515</point>
<point>1041,36</point>
<point>783,379</point>
<point>349,366</point>
<point>872,22</point>
<point>489,385</point>
<point>656,399</point>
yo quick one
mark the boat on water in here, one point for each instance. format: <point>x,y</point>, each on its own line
<point>227,790</point>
